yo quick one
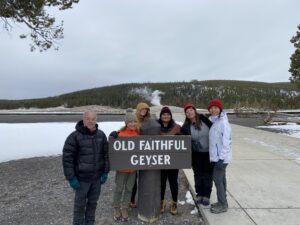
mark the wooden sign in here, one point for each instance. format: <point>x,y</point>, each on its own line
<point>150,152</point>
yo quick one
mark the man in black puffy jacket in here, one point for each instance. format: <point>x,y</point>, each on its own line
<point>86,166</point>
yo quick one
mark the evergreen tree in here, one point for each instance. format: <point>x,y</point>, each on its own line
<point>234,94</point>
<point>295,59</point>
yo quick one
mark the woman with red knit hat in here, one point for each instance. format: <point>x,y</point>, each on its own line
<point>220,152</point>
<point>198,125</point>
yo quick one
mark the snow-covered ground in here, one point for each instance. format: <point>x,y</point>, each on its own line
<point>25,140</point>
<point>291,129</point>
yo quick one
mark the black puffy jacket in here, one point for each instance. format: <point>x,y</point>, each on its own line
<point>85,154</point>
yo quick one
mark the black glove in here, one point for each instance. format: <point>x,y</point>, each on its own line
<point>219,164</point>
<point>114,134</point>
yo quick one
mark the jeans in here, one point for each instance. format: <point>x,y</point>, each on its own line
<point>85,203</point>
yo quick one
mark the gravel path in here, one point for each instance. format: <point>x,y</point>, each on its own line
<point>34,192</point>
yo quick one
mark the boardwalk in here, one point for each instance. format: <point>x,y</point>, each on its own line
<point>263,180</point>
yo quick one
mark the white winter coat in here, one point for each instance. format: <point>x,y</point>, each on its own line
<point>220,139</point>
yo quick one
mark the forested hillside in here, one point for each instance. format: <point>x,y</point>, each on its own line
<point>235,94</point>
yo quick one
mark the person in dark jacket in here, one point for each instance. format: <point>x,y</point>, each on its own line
<point>198,125</point>
<point>86,167</point>
<point>169,127</point>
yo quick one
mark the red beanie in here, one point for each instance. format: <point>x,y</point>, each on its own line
<point>189,105</point>
<point>215,102</point>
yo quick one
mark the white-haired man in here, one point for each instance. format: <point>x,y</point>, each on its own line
<point>86,166</point>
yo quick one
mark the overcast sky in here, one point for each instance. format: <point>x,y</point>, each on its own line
<point>124,41</point>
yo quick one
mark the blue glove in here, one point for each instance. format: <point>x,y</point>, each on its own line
<point>103,178</point>
<point>114,134</point>
<point>74,183</point>
<point>219,164</point>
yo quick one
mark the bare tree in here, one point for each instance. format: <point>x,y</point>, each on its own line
<point>43,29</point>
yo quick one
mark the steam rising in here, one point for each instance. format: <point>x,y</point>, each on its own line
<point>153,96</point>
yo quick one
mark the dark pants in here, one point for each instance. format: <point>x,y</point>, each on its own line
<point>219,177</point>
<point>203,173</point>
<point>172,176</point>
<point>85,203</point>
<point>134,189</point>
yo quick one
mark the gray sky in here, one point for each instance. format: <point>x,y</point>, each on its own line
<point>124,41</point>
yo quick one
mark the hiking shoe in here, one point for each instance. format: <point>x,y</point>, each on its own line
<point>219,208</point>
<point>199,199</point>
<point>162,206</point>
<point>214,204</point>
<point>117,213</point>
<point>205,201</point>
<point>173,208</point>
<point>124,213</point>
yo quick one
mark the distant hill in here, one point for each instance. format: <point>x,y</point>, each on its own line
<point>234,94</point>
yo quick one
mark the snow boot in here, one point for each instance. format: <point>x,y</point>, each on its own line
<point>173,208</point>
<point>162,206</point>
<point>117,213</point>
<point>124,212</point>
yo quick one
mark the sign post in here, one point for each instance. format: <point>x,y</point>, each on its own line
<point>149,154</point>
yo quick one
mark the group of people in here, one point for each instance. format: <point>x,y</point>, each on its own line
<point>86,163</point>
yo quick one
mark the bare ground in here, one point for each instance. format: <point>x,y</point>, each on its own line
<point>34,192</point>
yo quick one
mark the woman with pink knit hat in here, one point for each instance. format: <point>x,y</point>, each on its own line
<point>219,151</point>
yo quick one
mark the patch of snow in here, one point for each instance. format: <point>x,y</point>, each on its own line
<point>290,129</point>
<point>194,211</point>
<point>181,202</point>
<point>189,198</point>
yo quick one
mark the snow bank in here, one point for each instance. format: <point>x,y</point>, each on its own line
<point>26,140</point>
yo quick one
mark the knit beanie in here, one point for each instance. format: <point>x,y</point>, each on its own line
<point>129,116</point>
<point>188,105</point>
<point>165,110</point>
<point>215,102</point>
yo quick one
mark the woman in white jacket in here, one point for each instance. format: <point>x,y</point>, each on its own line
<point>219,151</point>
